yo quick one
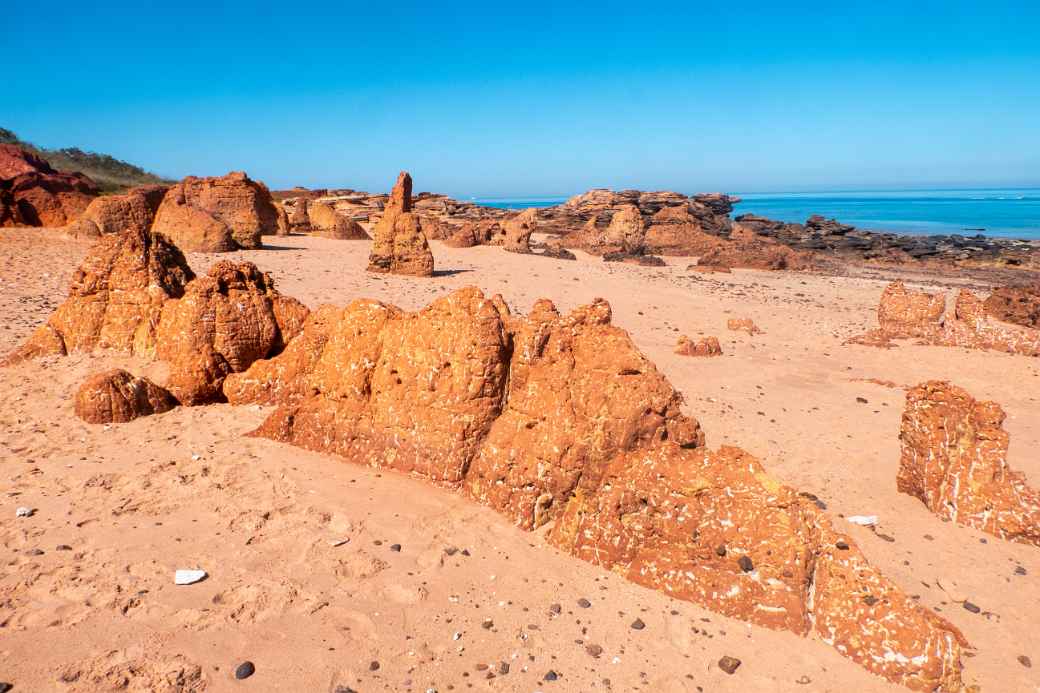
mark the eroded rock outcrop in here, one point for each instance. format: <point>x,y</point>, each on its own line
<point>117,396</point>
<point>398,243</point>
<point>554,417</point>
<point>518,230</point>
<point>32,193</point>
<point>743,325</point>
<point>707,346</point>
<point>133,211</point>
<point>326,221</point>
<point>217,214</point>
<point>222,324</point>
<point>115,298</point>
<point>931,318</point>
<point>1019,305</point>
<point>954,459</point>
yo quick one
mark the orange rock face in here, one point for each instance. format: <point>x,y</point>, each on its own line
<point>471,233</point>
<point>133,211</point>
<point>32,193</point>
<point>743,325</point>
<point>1018,305</point>
<point>117,397</point>
<point>217,214</point>
<point>329,223</point>
<point>928,317</point>
<point>748,250</point>
<point>222,324</point>
<point>115,298</point>
<point>559,418</point>
<point>398,243</point>
<point>708,346</point>
<point>955,460</point>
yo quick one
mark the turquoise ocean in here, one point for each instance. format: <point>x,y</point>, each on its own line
<point>1012,213</point>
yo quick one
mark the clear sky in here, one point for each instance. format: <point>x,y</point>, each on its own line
<point>526,99</point>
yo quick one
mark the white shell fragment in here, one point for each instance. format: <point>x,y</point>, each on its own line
<point>863,520</point>
<point>24,512</point>
<point>188,577</point>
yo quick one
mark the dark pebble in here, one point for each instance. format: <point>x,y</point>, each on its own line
<point>861,400</point>
<point>551,676</point>
<point>745,564</point>
<point>870,600</point>
<point>593,650</point>
<point>584,603</point>
<point>729,664</point>
<point>244,670</point>
<point>720,550</point>
<point>373,666</point>
<point>971,607</point>
<point>1020,570</point>
<point>555,609</point>
<point>451,550</point>
<point>63,547</point>
<point>395,547</point>
<point>465,552</point>
<point>1025,661</point>
<point>487,624</point>
<point>503,668</point>
<point>842,546</point>
<point>4,686</point>
<point>638,624</point>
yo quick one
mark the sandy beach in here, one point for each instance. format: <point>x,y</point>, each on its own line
<point>330,576</point>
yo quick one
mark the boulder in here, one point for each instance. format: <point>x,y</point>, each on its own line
<point>954,459</point>
<point>283,226</point>
<point>222,324</point>
<point>623,234</point>
<point>115,298</point>
<point>32,193</point>
<point>133,211</point>
<point>326,221</point>
<point>518,230</point>
<point>398,243</point>
<point>559,418</point>
<point>299,218</point>
<point>215,215</point>
<point>1019,305</point>
<point>707,346</point>
<point>743,325</point>
<point>116,396</point>
<point>472,233</point>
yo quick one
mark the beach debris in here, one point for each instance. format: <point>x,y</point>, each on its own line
<point>188,577</point>
<point>863,520</point>
<point>24,512</point>
<point>245,670</point>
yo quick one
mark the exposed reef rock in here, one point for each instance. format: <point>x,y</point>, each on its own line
<point>222,324</point>
<point>32,193</point>
<point>955,460</point>
<point>559,418</point>
<point>708,346</point>
<point>115,298</point>
<point>215,215</point>
<point>117,397</point>
<point>398,243</point>
<point>932,319</point>
<point>132,211</point>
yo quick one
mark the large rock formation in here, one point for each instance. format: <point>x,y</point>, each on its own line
<point>559,417</point>
<point>115,298</point>
<point>1019,305</point>
<point>955,460</point>
<point>398,243</point>
<point>32,193</point>
<point>222,324</point>
<point>326,221</point>
<point>133,211</point>
<point>932,319</point>
<point>117,397</point>
<point>217,214</point>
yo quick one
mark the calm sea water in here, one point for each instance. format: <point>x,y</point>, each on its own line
<point>1006,212</point>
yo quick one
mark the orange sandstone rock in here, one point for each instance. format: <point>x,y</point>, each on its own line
<point>518,230</point>
<point>115,298</point>
<point>132,211</point>
<point>325,220</point>
<point>217,214</point>
<point>398,243</point>
<point>222,324</point>
<point>117,397</point>
<point>743,325</point>
<point>559,417</point>
<point>708,346</point>
<point>954,458</point>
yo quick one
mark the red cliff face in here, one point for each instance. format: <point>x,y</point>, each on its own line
<point>34,194</point>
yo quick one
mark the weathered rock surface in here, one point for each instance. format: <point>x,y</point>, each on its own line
<point>32,193</point>
<point>560,417</point>
<point>117,396</point>
<point>222,324</point>
<point>115,298</point>
<point>473,233</point>
<point>954,458</point>
<point>932,319</point>
<point>1019,305</point>
<point>326,221</point>
<point>707,346</point>
<point>743,325</point>
<point>133,211</point>
<point>518,230</point>
<point>398,243</point>
<point>217,214</point>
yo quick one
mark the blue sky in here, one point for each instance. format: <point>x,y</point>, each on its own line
<point>526,99</point>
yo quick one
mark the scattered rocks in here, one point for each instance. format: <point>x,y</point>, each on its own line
<point>729,664</point>
<point>743,325</point>
<point>708,346</point>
